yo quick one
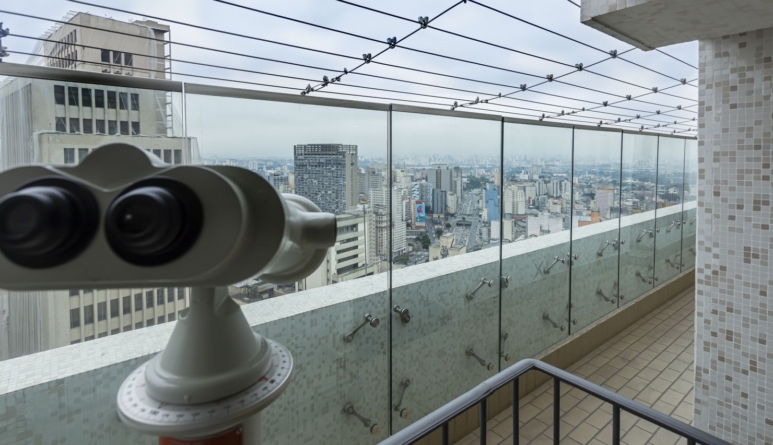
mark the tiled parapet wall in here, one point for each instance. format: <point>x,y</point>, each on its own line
<point>67,395</point>
<point>734,279</point>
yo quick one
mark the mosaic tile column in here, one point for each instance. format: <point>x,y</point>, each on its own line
<point>734,318</point>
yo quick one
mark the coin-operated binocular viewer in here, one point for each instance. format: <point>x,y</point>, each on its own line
<point>124,219</point>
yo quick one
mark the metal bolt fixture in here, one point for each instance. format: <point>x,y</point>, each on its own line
<point>670,263</point>
<point>373,427</point>
<point>692,221</point>
<point>483,281</point>
<point>651,233</point>
<point>546,316</point>
<point>641,277</point>
<point>405,315</point>
<point>506,357</point>
<point>670,226</point>
<point>505,280</point>
<point>369,319</point>
<point>488,365</point>
<point>692,249</point>
<point>615,243</point>
<point>600,293</point>
<point>405,383</point>
<point>556,260</point>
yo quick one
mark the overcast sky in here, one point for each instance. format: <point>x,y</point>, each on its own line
<point>240,127</point>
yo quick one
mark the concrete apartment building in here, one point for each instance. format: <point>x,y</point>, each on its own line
<point>328,175</point>
<point>47,122</point>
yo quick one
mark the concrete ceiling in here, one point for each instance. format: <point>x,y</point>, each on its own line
<point>649,24</point>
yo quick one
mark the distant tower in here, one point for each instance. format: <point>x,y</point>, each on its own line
<point>327,174</point>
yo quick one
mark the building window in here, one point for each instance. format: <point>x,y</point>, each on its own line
<point>168,156</point>
<point>124,128</point>
<point>135,128</point>
<point>171,316</point>
<point>101,126</point>
<point>178,156</point>
<point>127,305</point>
<point>61,125</point>
<point>99,99</point>
<point>82,153</point>
<point>86,97</point>
<point>135,102</point>
<point>127,328</point>
<point>75,342</point>
<point>169,295</point>
<point>111,100</point>
<point>112,127</point>
<point>128,59</point>
<point>102,311</point>
<point>161,319</point>
<point>89,338</point>
<point>116,57</point>
<point>86,291</point>
<point>106,55</point>
<point>69,156</point>
<point>88,314</point>
<point>138,325</point>
<point>180,293</point>
<point>102,334</point>
<point>75,125</point>
<point>114,308</point>
<point>72,96</point>
<point>160,297</point>
<point>150,323</point>
<point>157,153</point>
<point>115,331</point>
<point>74,292</point>
<point>75,318</point>
<point>149,299</point>
<point>123,101</point>
<point>138,302</point>
<point>88,126</point>
<point>59,94</point>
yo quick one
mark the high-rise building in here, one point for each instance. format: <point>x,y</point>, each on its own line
<point>328,175</point>
<point>605,200</point>
<point>439,200</point>
<point>422,191</point>
<point>380,205</point>
<point>369,179</point>
<point>49,122</point>
<point>514,200</point>
<point>279,180</point>
<point>352,256</point>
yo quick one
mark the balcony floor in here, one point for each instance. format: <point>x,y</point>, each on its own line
<point>651,362</point>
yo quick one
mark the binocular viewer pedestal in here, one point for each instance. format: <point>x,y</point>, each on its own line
<point>212,380</point>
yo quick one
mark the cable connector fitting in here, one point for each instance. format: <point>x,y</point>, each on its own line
<point>578,66</point>
<point>542,117</point>
<point>392,41</point>
<point>599,124</point>
<point>613,53</point>
<point>346,71</point>
<point>618,120</point>
<point>638,116</point>
<point>657,111</point>
<point>628,97</point>
<point>654,89</point>
<point>641,128</point>
<point>325,81</point>
<point>367,57</point>
<point>423,21</point>
<point>684,81</point>
<point>308,90</point>
<point>678,107</point>
<point>549,77</point>
<point>523,87</point>
<point>4,32</point>
<point>605,103</point>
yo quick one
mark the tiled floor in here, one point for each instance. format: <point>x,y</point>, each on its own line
<point>650,362</point>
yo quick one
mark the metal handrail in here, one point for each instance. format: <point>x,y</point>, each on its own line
<point>79,76</point>
<point>441,417</point>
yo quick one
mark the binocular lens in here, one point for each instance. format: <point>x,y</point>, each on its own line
<point>153,222</point>
<point>47,222</point>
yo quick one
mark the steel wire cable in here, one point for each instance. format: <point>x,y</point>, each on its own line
<point>566,37</point>
<point>297,46</point>
<point>378,11</point>
<point>303,65</point>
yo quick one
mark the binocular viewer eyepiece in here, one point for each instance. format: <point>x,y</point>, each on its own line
<point>122,218</point>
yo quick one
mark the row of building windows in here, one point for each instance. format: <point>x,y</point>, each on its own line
<point>168,156</point>
<point>88,310</point>
<point>68,60</point>
<point>123,101</point>
<point>147,323</point>
<point>118,57</point>
<point>113,126</point>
